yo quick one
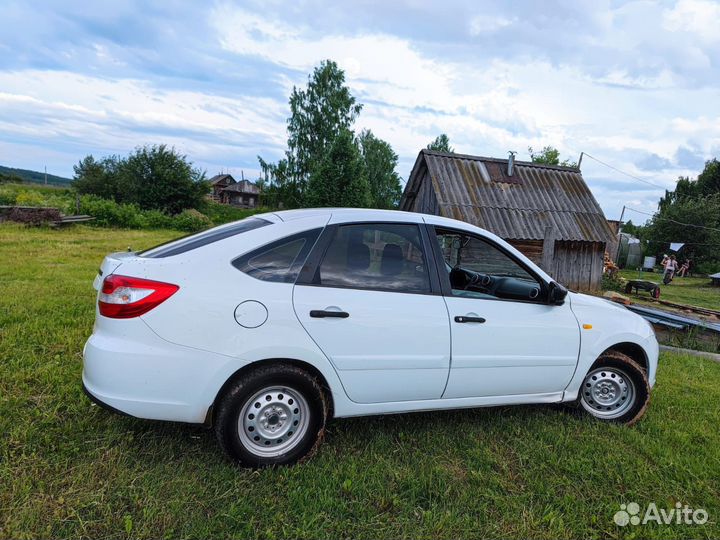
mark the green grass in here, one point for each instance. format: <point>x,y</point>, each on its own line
<point>693,291</point>
<point>71,469</point>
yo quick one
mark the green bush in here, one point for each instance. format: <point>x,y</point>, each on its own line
<point>612,282</point>
<point>706,268</point>
<point>223,213</point>
<point>29,198</point>
<point>191,220</point>
<point>108,213</point>
<point>155,219</point>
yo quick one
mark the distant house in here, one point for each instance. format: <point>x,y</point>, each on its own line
<point>547,212</point>
<point>226,190</point>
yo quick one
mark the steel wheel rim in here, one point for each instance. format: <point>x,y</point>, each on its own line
<point>273,421</point>
<point>607,393</point>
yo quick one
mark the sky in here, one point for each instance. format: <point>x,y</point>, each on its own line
<point>635,84</point>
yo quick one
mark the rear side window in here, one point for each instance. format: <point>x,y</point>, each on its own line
<point>279,261</point>
<point>375,256</point>
<point>194,241</point>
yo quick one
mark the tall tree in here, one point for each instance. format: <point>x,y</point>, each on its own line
<point>340,178</point>
<point>318,114</point>
<point>380,163</point>
<point>549,155</point>
<point>441,144</point>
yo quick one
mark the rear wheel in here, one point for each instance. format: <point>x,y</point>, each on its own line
<point>615,389</point>
<point>275,415</point>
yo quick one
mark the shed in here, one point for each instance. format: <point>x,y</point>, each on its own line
<point>545,211</point>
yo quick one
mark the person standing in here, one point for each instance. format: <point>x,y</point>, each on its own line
<point>670,268</point>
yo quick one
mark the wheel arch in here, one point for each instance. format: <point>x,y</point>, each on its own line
<point>633,350</point>
<point>238,374</point>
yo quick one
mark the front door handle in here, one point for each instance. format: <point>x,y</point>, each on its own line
<point>468,319</point>
<point>321,314</point>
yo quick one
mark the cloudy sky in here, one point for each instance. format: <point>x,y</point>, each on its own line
<point>634,84</point>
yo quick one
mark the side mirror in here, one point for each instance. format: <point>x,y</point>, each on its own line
<point>557,294</point>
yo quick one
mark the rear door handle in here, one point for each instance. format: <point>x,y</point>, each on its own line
<point>468,319</point>
<point>321,314</point>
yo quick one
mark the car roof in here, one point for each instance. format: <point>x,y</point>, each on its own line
<point>371,214</point>
<point>351,214</point>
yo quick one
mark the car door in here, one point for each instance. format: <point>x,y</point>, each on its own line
<point>506,339</point>
<point>369,297</point>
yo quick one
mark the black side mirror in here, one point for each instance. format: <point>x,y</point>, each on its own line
<point>556,294</point>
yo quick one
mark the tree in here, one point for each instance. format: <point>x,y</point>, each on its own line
<point>549,155</point>
<point>152,177</point>
<point>380,163</point>
<point>96,177</point>
<point>441,144</point>
<point>318,115</point>
<point>340,178</point>
<point>690,214</point>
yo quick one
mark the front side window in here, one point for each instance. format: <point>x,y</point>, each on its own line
<point>379,256</point>
<point>279,261</point>
<point>477,269</point>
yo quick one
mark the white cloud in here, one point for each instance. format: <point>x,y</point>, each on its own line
<point>481,24</point>
<point>697,17</point>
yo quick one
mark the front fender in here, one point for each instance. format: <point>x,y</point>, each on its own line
<point>604,325</point>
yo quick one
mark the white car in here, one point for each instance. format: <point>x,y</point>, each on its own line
<point>267,327</point>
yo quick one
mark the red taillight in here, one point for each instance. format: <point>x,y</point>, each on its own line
<point>123,297</point>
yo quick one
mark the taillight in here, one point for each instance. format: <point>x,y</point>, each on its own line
<point>123,297</point>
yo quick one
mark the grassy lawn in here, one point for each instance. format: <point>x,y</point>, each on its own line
<point>693,291</point>
<point>70,469</point>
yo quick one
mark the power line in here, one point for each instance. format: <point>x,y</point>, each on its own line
<point>625,173</point>
<point>674,221</point>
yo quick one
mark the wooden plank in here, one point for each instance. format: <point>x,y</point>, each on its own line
<point>548,250</point>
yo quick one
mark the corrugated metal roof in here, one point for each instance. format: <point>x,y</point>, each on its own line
<point>479,191</point>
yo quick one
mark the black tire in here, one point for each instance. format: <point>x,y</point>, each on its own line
<point>612,367</point>
<point>280,382</point>
<point>656,293</point>
<point>628,288</point>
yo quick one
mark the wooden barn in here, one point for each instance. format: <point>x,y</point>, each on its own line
<point>547,212</point>
<point>226,190</point>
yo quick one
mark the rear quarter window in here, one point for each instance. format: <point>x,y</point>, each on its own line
<point>194,241</point>
<point>279,261</point>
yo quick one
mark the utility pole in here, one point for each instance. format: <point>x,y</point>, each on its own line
<point>580,164</point>
<point>620,224</point>
<point>46,175</point>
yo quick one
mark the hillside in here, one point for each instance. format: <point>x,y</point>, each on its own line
<point>35,176</point>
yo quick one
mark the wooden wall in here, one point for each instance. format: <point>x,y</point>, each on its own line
<point>577,265</point>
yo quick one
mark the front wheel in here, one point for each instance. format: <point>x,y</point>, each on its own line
<point>274,415</point>
<point>615,389</point>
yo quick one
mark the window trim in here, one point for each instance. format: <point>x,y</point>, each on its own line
<point>433,231</point>
<point>314,260</point>
<point>308,248</point>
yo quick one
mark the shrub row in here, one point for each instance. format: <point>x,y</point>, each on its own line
<point>108,213</point>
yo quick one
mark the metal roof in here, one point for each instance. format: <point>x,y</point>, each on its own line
<point>478,190</point>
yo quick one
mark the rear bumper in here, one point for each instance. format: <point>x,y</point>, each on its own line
<point>97,401</point>
<point>131,370</point>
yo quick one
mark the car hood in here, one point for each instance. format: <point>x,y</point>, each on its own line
<point>595,302</point>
